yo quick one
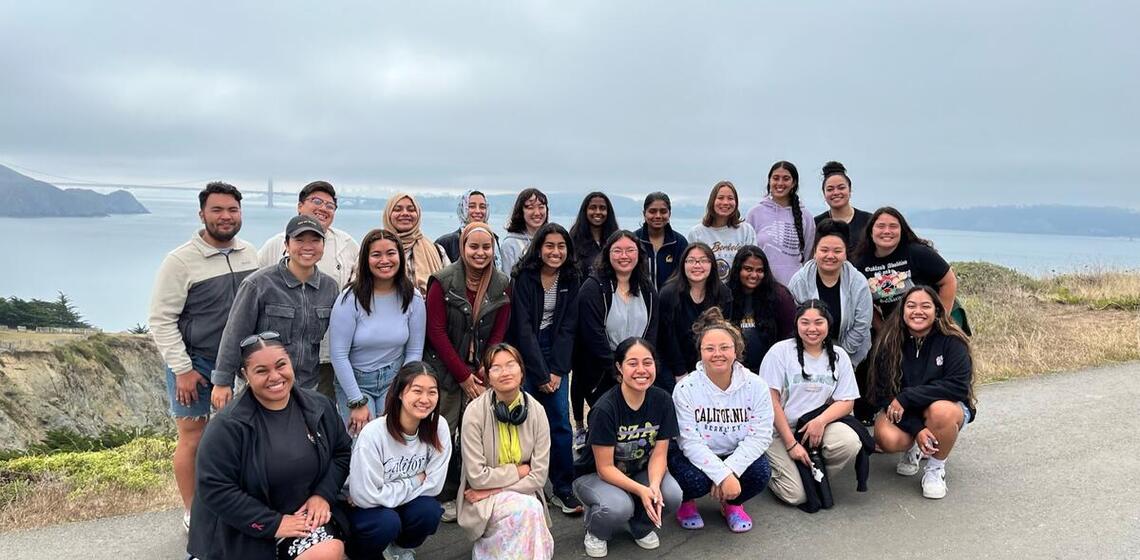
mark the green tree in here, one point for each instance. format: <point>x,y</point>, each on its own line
<point>61,313</point>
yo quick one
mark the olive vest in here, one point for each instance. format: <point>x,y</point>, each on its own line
<point>461,326</point>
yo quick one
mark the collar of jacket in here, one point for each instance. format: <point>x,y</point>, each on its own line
<point>245,409</point>
<point>292,281</point>
<point>642,234</point>
<point>208,250</point>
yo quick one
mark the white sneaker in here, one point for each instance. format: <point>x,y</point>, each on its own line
<point>908,463</point>
<point>394,552</point>
<point>579,438</point>
<point>648,542</point>
<point>595,547</point>
<point>448,512</point>
<point>934,483</point>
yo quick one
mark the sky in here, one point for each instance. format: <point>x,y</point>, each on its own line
<point>929,105</point>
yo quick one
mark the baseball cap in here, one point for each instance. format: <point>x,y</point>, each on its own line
<point>302,223</point>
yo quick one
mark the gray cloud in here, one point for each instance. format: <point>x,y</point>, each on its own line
<point>1006,102</point>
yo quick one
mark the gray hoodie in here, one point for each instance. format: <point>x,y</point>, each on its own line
<point>512,247</point>
<point>854,296</point>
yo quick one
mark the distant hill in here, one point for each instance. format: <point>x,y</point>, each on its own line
<point>25,197</point>
<point>563,203</point>
<point>1052,219</point>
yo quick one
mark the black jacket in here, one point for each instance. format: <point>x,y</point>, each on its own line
<point>938,369</point>
<point>665,261</point>
<point>593,357</point>
<point>450,244</point>
<point>813,499</point>
<point>526,315</point>
<point>676,345</point>
<point>230,518</point>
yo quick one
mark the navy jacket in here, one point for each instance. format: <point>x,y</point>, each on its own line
<point>526,315</point>
<point>664,262</point>
<point>231,518</point>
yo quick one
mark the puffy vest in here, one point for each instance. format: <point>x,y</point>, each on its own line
<point>461,326</point>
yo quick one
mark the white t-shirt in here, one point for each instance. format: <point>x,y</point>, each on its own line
<point>781,371</point>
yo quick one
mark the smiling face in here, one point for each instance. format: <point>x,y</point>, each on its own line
<point>534,213</point>
<point>553,251</point>
<point>718,352</point>
<point>319,205</point>
<point>638,369</point>
<point>305,249</point>
<point>270,376</point>
<point>221,216</point>
<point>384,259</point>
<point>885,233</point>
<point>812,329</point>
<point>505,374</point>
<point>780,184</point>
<point>476,208</point>
<point>837,192</point>
<point>623,256</point>
<point>751,273</point>
<point>478,250</point>
<point>419,397</point>
<point>830,254</point>
<point>657,215</point>
<point>404,215</point>
<point>698,265</point>
<point>919,313</point>
<point>725,203</point>
<point>596,211</point>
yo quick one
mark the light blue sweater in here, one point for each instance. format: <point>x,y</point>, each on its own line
<point>369,342</point>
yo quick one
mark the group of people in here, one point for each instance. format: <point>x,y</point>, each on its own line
<point>338,399</point>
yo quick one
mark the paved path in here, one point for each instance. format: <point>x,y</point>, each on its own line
<point>1050,470</point>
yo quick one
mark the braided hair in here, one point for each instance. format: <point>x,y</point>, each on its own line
<point>793,199</point>
<point>828,347</point>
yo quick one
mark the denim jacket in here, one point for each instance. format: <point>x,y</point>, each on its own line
<point>272,299</point>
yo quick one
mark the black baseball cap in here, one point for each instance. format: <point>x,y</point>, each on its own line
<point>302,223</point>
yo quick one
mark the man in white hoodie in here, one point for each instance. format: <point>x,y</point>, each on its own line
<point>725,415</point>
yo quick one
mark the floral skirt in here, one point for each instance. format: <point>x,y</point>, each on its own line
<point>517,530</point>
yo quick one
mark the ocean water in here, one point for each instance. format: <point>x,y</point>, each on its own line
<point>107,265</point>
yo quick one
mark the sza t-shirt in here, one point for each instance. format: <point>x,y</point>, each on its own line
<point>632,433</point>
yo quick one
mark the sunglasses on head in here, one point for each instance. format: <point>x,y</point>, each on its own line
<point>253,338</point>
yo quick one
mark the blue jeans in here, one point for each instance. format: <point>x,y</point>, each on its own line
<point>373,384</point>
<point>695,483</point>
<point>557,405</point>
<point>408,525</point>
<point>201,408</point>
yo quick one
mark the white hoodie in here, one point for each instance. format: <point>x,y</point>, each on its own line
<point>383,471</point>
<point>716,423</point>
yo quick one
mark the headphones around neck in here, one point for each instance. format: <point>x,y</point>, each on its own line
<point>505,414</point>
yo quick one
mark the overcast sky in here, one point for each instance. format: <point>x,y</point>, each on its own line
<point>928,104</point>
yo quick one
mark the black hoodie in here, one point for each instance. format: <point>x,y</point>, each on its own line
<point>593,357</point>
<point>936,369</point>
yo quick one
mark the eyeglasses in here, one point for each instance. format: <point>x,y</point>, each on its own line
<point>698,261</point>
<point>632,251</point>
<point>723,348</point>
<point>253,338</point>
<point>509,366</point>
<point>321,203</point>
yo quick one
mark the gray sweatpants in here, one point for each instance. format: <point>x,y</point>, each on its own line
<point>609,508</point>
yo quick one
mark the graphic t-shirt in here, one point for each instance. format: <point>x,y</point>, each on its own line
<point>632,433</point>
<point>804,390</point>
<point>907,266</point>
<point>725,241</point>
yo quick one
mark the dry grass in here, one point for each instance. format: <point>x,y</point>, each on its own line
<point>1025,326</point>
<point>46,503</point>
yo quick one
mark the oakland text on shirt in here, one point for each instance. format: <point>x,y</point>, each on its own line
<point>709,415</point>
<point>404,466</point>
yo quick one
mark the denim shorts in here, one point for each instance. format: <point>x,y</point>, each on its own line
<point>201,408</point>
<point>965,415</point>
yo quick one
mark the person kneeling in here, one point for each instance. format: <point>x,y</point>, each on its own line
<point>725,415</point>
<point>922,379</point>
<point>505,441</point>
<point>269,468</point>
<point>398,468</point>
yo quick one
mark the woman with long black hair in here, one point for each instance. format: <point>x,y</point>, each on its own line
<point>593,226</point>
<point>544,320</point>
<point>762,308</point>
<point>693,288</point>
<point>784,228</point>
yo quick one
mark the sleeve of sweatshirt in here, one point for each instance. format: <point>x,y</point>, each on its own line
<point>809,235</point>
<point>954,385</point>
<point>437,465</point>
<point>342,329</point>
<point>690,440</point>
<point>758,434</point>
<point>858,336</point>
<point>241,323</point>
<point>166,303</point>
<point>417,329</point>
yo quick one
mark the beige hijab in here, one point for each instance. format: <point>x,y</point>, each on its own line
<point>424,259</point>
<point>478,279</point>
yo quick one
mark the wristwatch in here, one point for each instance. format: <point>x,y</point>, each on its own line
<point>363,400</point>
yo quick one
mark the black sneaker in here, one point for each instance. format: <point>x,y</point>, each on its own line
<point>568,503</point>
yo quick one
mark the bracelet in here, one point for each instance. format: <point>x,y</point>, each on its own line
<point>358,403</point>
<point>793,446</point>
